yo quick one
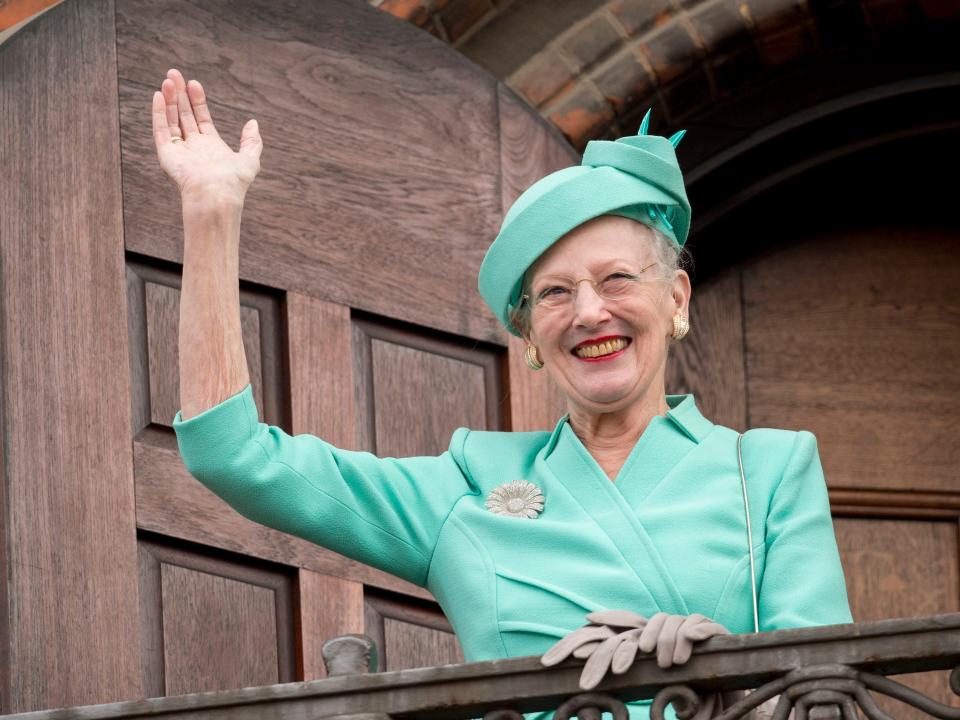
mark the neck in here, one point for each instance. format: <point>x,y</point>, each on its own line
<point>610,436</point>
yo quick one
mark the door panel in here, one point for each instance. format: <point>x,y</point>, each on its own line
<point>414,388</point>
<point>212,623</point>
<point>408,633</point>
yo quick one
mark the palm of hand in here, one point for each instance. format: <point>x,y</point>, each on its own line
<point>203,164</point>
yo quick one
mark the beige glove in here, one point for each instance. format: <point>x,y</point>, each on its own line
<point>612,639</point>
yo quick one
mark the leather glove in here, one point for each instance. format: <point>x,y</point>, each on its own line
<point>612,639</point>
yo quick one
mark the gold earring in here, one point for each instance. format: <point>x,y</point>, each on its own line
<point>681,326</point>
<point>532,358</point>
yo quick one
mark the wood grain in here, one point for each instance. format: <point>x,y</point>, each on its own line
<point>535,401</point>
<point>327,606</point>
<point>421,398</point>
<point>172,502</point>
<point>414,388</point>
<point>409,645</point>
<point>850,335</point>
<point>213,621</point>
<point>409,634</point>
<point>902,568</point>
<point>321,370</point>
<point>530,148</point>
<point>218,633</point>
<point>369,196</point>
<point>68,505</point>
<point>709,361</point>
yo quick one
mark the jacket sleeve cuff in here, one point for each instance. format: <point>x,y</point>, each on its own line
<point>215,435</point>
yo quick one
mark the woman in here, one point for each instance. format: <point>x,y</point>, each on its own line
<point>631,509</point>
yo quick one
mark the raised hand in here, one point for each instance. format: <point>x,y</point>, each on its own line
<point>612,639</point>
<point>190,150</point>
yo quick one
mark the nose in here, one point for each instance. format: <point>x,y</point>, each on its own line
<point>589,308</point>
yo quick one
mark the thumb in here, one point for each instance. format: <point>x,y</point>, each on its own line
<point>250,142</point>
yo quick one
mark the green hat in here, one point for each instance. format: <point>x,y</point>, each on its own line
<point>636,176</point>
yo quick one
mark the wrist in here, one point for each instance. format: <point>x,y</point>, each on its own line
<point>211,201</point>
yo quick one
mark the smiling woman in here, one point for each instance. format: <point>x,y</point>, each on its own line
<point>587,259</point>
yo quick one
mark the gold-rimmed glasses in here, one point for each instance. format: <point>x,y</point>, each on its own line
<point>562,292</point>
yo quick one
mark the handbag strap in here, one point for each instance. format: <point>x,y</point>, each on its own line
<point>746,511</point>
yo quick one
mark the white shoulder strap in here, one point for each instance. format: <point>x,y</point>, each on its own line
<point>746,511</point>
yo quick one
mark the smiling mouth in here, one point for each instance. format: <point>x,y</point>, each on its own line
<point>600,349</point>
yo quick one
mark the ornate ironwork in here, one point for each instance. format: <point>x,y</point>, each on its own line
<point>590,706</point>
<point>819,692</point>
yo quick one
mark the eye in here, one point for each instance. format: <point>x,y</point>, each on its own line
<point>618,282</point>
<point>553,292</point>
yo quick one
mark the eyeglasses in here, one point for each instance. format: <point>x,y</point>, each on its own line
<point>615,286</point>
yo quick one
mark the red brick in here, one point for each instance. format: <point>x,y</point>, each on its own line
<point>410,10</point>
<point>580,114</point>
<point>461,15</point>
<point>671,51</point>
<point>622,80</point>
<point>591,41</point>
<point>720,26</point>
<point>544,76</point>
<point>637,16</point>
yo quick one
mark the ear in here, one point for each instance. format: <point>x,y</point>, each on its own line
<point>681,291</point>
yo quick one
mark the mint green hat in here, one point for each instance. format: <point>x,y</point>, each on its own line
<point>635,176</point>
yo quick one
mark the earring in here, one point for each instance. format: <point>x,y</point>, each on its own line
<point>532,358</point>
<point>681,326</point>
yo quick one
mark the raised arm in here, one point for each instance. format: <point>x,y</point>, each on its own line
<point>213,181</point>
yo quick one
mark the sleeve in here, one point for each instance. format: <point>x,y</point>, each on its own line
<point>803,582</point>
<point>387,513</point>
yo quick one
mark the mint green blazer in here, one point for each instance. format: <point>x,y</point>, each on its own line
<point>669,534</point>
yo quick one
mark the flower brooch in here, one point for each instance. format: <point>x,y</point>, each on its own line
<point>519,498</point>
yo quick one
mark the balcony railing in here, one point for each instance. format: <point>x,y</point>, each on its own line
<point>822,673</point>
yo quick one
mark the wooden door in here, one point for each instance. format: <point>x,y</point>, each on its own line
<point>389,160</point>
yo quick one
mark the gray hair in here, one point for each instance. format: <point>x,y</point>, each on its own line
<point>671,258</point>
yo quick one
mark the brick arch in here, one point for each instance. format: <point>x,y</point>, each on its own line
<point>598,76</point>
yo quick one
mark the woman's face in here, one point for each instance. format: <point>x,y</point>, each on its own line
<point>605,354</point>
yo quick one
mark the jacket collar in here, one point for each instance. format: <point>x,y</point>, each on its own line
<point>682,411</point>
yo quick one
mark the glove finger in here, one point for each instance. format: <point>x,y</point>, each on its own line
<point>648,638</point>
<point>599,662</point>
<point>625,654</point>
<point>667,640</point>
<point>705,630</point>
<point>617,618</point>
<point>567,644</point>
<point>684,645</point>
<point>586,650</point>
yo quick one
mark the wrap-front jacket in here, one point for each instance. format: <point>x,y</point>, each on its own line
<point>669,534</point>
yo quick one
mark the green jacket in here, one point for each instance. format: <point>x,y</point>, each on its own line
<point>668,535</point>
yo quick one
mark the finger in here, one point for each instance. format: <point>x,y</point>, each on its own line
<point>566,645</point>
<point>705,630</point>
<point>586,650</point>
<point>198,101</point>
<point>250,141</point>
<point>617,618</point>
<point>667,640</point>
<point>626,653</point>
<point>169,91</point>
<point>599,662</point>
<point>684,646</point>
<point>161,132</point>
<point>188,123</point>
<point>648,639</point>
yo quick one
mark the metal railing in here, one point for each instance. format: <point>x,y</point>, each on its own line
<point>822,673</point>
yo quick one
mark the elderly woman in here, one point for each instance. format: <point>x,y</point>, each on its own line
<point>635,510</point>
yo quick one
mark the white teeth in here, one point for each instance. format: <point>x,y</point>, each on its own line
<point>605,348</point>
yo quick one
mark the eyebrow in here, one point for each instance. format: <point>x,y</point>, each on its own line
<point>601,267</point>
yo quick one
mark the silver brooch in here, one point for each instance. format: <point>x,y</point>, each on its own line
<point>519,498</point>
